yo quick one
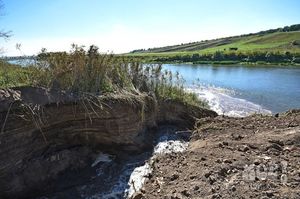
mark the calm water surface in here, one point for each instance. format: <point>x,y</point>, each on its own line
<point>267,88</point>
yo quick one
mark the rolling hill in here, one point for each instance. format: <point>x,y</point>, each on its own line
<point>281,40</point>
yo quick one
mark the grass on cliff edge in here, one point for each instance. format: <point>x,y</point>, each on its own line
<point>89,72</point>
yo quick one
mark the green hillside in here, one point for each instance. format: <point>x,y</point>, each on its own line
<point>276,45</point>
<point>280,41</point>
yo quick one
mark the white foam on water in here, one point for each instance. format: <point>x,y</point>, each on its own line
<point>170,146</point>
<point>102,157</point>
<point>138,178</point>
<point>139,174</point>
<point>222,101</point>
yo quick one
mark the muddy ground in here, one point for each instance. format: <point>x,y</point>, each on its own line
<point>252,157</point>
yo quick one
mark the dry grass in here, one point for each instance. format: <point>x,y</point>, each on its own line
<point>86,73</point>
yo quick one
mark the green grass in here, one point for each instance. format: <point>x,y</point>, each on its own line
<point>272,42</point>
<point>14,75</point>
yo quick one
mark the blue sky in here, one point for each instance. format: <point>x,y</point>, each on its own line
<point>124,25</point>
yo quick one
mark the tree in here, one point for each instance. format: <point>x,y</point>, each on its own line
<point>3,34</point>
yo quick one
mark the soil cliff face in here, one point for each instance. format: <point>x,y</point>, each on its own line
<point>44,133</point>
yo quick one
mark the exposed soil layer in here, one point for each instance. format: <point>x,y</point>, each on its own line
<point>46,134</point>
<point>253,157</point>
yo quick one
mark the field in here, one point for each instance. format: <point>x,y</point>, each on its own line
<point>279,41</point>
<point>276,43</point>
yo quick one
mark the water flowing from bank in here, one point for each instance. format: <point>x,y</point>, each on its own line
<point>129,175</point>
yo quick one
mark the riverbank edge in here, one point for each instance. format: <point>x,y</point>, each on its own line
<point>47,132</point>
<point>230,63</point>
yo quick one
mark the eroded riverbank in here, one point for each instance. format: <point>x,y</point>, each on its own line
<point>48,136</point>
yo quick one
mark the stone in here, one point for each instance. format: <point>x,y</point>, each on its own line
<point>137,195</point>
<point>227,161</point>
<point>233,188</point>
<point>274,146</point>
<point>203,159</point>
<point>225,143</point>
<point>244,148</point>
<point>270,194</point>
<point>236,136</point>
<point>207,174</point>
<point>174,177</point>
<point>256,162</point>
<point>185,193</point>
<point>196,188</point>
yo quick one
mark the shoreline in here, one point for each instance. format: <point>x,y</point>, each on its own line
<point>229,63</point>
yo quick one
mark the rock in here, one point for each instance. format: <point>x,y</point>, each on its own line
<point>137,195</point>
<point>256,162</point>
<point>216,196</point>
<point>227,161</point>
<point>233,188</point>
<point>174,177</point>
<point>289,142</point>
<point>236,136</point>
<point>244,148</point>
<point>252,146</point>
<point>193,177</point>
<point>185,193</point>
<point>212,179</point>
<point>279,142</point>
<point>224,170</point>
<point>176,196</point>
<point>225,143</point>
<point>207,174</point>
<point>213,190</point>
<point>270,194</point>
<point>196,188</point>
<point>274,146</point>
<point>203,159</point>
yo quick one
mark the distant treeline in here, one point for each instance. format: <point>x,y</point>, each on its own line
<point>6,58</point>
<point>291,28</point>
<point>270,57</point>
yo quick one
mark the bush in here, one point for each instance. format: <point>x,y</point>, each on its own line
<point>82,72</point>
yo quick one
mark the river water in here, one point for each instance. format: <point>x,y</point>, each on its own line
<point>239,90</point>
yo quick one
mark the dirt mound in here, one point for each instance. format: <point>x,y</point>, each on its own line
<point>252,157</point>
